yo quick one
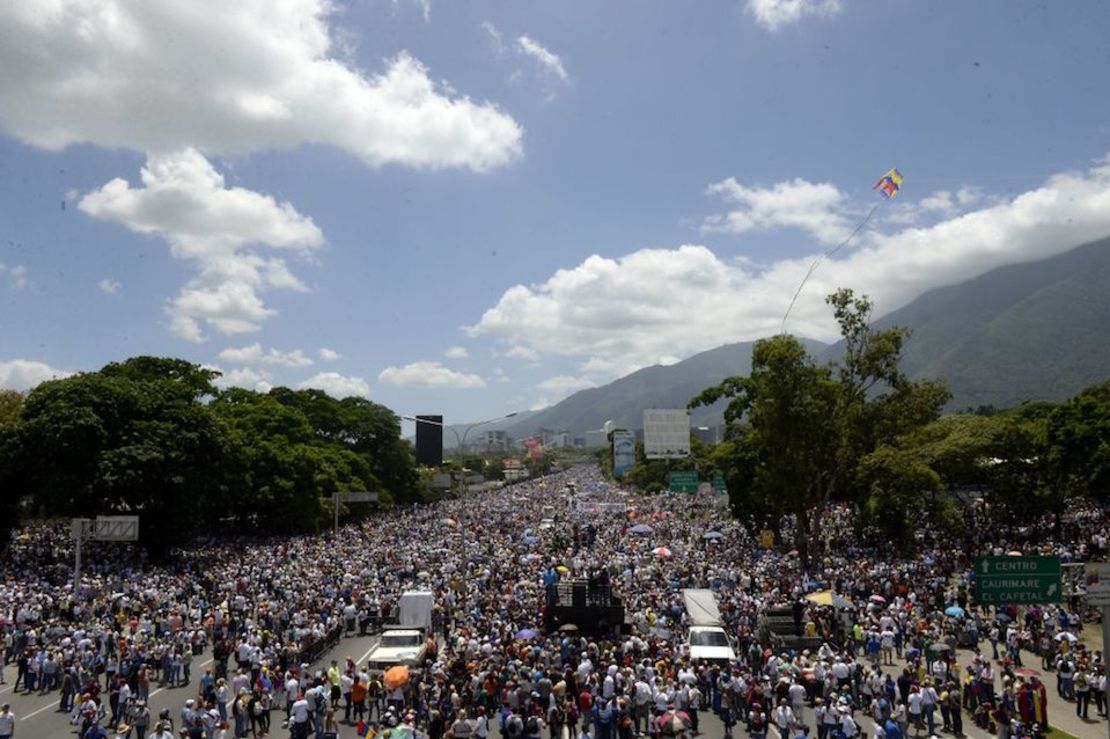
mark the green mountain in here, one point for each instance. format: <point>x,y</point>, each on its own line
<point>1039,330</point>
<point>623,401</point>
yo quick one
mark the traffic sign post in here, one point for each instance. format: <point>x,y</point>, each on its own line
<point>102,528</point>
<point>358,496</point>
<point>1017,581</point>
<point>719,483</point>
<point>685,481</point>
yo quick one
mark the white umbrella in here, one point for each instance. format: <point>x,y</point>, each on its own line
<point>1072,638</point>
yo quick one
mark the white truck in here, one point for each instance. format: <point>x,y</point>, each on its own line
<point>706,638</point>
<point>406,642</point>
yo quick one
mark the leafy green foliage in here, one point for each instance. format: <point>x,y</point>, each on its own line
<point>153,436</point>
<point>798,430</point>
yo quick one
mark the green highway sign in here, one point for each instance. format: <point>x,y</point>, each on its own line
<point>1017,580</point>
<point>683,482</point>
<point>719,483</point>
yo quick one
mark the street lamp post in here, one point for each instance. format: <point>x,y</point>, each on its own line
<point>460,442</point>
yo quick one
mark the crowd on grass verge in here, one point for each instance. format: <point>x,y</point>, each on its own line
<point>902,650</point>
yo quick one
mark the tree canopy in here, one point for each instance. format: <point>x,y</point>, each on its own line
<point>155,437</point>
<point>800,429</point>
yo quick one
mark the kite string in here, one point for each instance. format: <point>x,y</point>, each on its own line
<point>821,257</point>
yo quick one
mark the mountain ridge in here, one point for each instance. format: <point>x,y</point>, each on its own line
<point>1028,331</point>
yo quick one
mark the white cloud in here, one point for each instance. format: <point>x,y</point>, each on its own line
<point>774,14</point>
<point>429,374</point>
<point>523,352</point>
<point>255,354</point>
<point>495,40</point>
<point>658,303</point>
<point>456,352</point>
<point>17,275</point>
<point>968,195</point>
<point>337,385</point>
<point>499,375</point>
<point>329,355</point>
<point>940,200</point>
<point>24,374</point>
<point>814,207</point>
<point>109,286</point>
<point>185,201</point>
<point>228,78</point>
<point>550,62</point>
<point>554,389</point>
<point>245,377</point>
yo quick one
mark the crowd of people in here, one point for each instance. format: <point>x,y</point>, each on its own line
<point>884,656</point>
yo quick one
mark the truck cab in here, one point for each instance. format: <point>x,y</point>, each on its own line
<point>399,645</point>
<point>405,643</point>
<point>706,639</point>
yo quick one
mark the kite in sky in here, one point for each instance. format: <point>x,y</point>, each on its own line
<point>889,185</point>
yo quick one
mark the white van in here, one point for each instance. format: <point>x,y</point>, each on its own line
<point>706,638</point>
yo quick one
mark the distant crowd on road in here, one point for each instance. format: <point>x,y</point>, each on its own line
<point>884,657</point>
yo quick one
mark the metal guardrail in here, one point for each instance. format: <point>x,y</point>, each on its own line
<point>315,649</point>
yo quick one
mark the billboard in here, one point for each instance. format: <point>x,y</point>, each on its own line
<point>624,452</point>
<point>429,441</point>
<point>666,434</point>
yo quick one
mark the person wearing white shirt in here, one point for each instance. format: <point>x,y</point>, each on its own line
<point>7,722</point>
<point>915,706</point>
<point>783,718</point>
<point>797,693</point>
<point>848,724</point>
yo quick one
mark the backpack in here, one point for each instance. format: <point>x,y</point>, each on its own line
<point>757,721</point>
<point>533,725</point>
<point>514,726</point>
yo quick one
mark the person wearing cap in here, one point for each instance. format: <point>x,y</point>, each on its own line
<point>139,716</point>
<point>7,722</point>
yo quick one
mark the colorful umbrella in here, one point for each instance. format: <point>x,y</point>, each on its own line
<point>674,722</point>
<point>526,634</point>
<point>563,570</point>
<point>954,612</point>
<point>396,677</point>
<point>642,528</point>
<point>662,552</point>
<point>712,535</point>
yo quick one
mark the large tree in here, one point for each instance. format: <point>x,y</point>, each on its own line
<point>1077,441</point>
<point>285,471</point>
<point>799,429</point>
<point>365,428</point>
<point>133,438</point>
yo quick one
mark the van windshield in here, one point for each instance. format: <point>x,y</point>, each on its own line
<point>708,639</point>
<point>401,640</point>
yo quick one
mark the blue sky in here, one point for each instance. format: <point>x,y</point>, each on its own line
<point>475,208</point>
